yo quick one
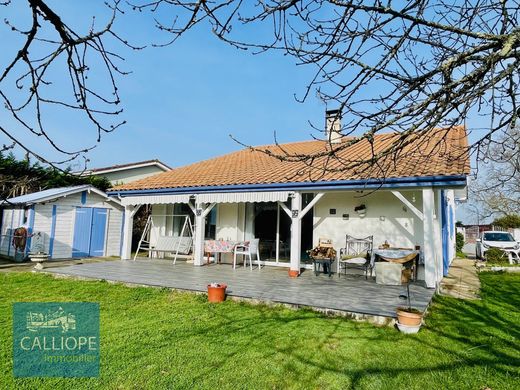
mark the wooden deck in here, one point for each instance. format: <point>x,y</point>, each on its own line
<point>351,295</point>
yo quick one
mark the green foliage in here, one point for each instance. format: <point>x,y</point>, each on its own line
<point>496,256</point>
<point>459,241</point>
<point>511,221</point>
<point>20,177</point>
<point>159,339</point>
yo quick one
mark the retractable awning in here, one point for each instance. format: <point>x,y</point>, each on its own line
<point>242,197</point>
<point>154,199</point>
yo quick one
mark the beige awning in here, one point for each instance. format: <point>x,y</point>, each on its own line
<point>154,199</point>
<point>243,197</point>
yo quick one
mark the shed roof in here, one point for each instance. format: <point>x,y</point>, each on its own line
<point>52,194</point>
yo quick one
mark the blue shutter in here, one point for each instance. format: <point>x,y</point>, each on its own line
<point>97,237</point>
<point>445,233</point>
<point>82,230</point>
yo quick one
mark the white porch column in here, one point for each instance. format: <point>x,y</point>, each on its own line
<point>198,254</point>
<point>201,211</point>
<point>430,266</point>
<point>296,231</point>
<point>128,226</point>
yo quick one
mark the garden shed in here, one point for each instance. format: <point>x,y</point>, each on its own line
<point>67,222</point>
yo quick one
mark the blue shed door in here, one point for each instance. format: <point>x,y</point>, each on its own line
<point>82,230</point>
<point>97,236</point>
<point>89,232</point>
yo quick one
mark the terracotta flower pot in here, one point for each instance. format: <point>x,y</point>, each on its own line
<point>217,293</point>
<point>409,318</point>
<point>293,273</point>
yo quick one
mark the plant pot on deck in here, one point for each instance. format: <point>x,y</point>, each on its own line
<point>294,273</point>
<point>409,317</point>
<point>216,292</point>
<point>38,258</point>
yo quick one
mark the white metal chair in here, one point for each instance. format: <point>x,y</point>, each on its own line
<point>247,250</point>
<point>356,254</point>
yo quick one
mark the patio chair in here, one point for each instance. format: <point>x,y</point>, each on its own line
<point>356,254</point>
<point>247,250</point>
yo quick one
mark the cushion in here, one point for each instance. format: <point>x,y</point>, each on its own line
<point>354,260</point>
<point>362,255</point>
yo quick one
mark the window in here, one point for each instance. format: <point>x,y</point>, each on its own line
<point>211,224</point>
<point>502,237</point>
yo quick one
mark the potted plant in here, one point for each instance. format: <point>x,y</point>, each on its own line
<point>216,292</point>
<point>409,320</point>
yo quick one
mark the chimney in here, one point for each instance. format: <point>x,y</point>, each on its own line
<point>333,126</point>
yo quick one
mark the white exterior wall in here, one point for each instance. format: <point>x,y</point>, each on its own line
<point>12,219</point>
<point>228,222</point>
<point>43,222</point>
<point>131,174</point>
<point>64,226</point>
<point>400,228</point>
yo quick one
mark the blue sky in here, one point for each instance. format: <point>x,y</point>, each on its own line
<point>182,102</point>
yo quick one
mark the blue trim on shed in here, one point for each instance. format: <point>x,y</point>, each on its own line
<point>84,197</point>
<point>9,243</point>
<point>53,230</point>
<point>30,229</point>
<point>402,182</point>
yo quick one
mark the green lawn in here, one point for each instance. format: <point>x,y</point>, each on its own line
<point>158,339</point>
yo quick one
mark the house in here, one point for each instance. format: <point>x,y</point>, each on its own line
<point>79,221</point>
<point>124,173</point>
<point>406,201</point>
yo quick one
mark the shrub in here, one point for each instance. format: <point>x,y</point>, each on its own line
<point>459,241</point>
<point>511,221</point>
<point>496,255</point>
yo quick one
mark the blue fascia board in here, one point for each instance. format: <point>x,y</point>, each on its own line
<point>459,181</point>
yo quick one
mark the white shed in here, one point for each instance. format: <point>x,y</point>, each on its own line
<point>68,222</point>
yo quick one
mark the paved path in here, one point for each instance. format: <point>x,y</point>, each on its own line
<point>462,280</point>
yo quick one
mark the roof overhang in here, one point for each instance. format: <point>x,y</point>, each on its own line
<point>61,194</point>
<point>453,182</point>
<point>102,171</point>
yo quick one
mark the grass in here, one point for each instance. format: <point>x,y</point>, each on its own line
<point>159,339</point>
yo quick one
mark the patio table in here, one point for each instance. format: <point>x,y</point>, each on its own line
<point>397,255</point>
<point>221,246</point>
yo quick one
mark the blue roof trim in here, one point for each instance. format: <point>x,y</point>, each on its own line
<point>400,182</point>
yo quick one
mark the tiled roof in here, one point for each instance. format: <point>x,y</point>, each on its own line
<point>441,152</point>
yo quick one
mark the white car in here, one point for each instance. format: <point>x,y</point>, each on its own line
<point>494,239</point>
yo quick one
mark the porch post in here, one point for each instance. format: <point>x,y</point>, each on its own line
<point>296,230</point>
<point>200,221</point>
<point>430,266</point>
<point>201,212</point>
<point>128,225</point>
